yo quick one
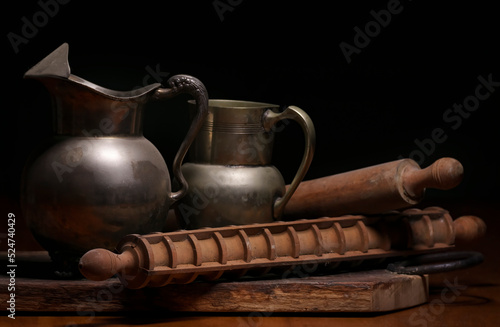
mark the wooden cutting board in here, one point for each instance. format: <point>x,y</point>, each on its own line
<point>361,291</point>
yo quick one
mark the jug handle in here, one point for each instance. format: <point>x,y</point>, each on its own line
<point>180,84</point>
<point>305,122</point>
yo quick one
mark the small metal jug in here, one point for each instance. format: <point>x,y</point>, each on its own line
<point>230,176</point>
<point>98,178</point>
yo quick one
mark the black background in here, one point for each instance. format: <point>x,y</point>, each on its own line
<point>366,112</point>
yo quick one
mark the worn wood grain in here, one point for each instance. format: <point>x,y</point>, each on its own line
<point>363,291</point>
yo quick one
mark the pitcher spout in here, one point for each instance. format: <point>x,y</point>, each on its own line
<point>79,104</point>
<point>56,66</point>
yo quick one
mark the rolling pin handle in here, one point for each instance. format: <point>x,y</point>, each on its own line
<point>101,264</point>
<point>444,174</point>
<point>469,228</point>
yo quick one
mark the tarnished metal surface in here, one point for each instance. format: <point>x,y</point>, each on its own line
<point>98,179</point>
<point>231,178</point>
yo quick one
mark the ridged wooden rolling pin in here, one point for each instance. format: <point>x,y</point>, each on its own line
<point>372,190</point>
<point>158,259</point>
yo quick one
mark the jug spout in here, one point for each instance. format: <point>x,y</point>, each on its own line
<point>80,104</point>
<point>54,65</point>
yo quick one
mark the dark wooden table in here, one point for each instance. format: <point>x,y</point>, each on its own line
<point>469,297</point>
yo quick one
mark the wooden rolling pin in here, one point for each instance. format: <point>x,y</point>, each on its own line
<point>159,259</point>
<point>372,190</point>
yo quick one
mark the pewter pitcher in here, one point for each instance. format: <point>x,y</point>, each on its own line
<point>99,179</point>
<point>231,178</point>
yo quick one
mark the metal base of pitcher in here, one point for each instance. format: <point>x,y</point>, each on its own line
<point>221,195</point>
<point>117,187</point>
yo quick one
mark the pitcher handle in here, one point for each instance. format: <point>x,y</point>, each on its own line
<point>303,119</point>
<point>180,84</point>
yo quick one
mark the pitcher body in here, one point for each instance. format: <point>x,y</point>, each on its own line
<point>98,178</point>
<point>230,174</point>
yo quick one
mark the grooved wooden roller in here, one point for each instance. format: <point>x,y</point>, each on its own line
<point>180,257</point>
<point>372,190</point>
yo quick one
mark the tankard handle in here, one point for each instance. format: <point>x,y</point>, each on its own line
<point>303,119</point>
<point>180,84</point>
